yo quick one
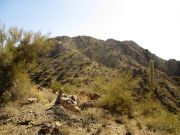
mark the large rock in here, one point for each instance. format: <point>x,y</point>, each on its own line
<point>68,102</point>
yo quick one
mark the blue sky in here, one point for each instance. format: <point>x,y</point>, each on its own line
<point>153,24</point>
<point>55,16</point>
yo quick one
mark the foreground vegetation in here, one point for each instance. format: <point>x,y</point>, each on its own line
<point>118,96</point>
<point>18,51</point>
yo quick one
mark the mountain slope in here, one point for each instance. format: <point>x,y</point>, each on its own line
<point>118,53</point>
<point>79,60</point>
<point>108,82</point>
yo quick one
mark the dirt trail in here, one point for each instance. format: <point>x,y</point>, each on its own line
<point>27,120</point>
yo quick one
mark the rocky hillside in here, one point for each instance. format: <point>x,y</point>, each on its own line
<point>39,118</point>
<point>84,85</point>
<point>74,56</point>
<point>113,53</point>
<point>79,60</point>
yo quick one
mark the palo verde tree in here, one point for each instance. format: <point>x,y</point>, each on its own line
<point>17,49</point>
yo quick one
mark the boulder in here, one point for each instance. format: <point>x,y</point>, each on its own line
<point>75,99</point>
<point>68,102</point>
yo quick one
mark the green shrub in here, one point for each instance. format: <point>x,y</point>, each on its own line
<point>67,88</point>
<point>148,107</point>
<point>55,86</point>
<point>91,115</point>
<point>18,49</point>
<point>164,121</point>
<point>20,84</point>
<point>118,94</point>
<point>70,89</point>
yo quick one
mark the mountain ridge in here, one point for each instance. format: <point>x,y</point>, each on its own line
<point>133,50</point>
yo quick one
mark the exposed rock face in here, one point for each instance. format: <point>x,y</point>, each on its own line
<point>173,67</point>
<point>167,100</point>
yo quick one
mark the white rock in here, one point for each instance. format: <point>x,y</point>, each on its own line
<point>31,100</point>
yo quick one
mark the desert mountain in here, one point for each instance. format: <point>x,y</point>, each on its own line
<point>95,78</point>
<point>78,60</point>
<point>82,51</point>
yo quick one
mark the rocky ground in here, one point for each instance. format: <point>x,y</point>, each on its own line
<point>44,118</point>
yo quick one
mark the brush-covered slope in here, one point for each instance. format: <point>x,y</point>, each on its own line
<point>66,64</point>
<point>78,60</point>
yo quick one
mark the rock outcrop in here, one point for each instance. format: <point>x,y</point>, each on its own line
<point>68,102</point>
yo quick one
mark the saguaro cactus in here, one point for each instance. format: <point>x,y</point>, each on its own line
<point>151,75</point>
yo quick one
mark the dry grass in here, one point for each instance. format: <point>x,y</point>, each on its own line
<point>155,117</point>
<point>61,131</point>
<point>164,121</point>
<point>148,107</point>
<point>44,96</point>
<point>92,115</point>
<point>7,112</point>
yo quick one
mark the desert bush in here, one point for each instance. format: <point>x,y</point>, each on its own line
<point>7,112</point>
<point>164,121</point>
<point>18,48</point>
<point>118,94</point>
<point>20,84</point>
<point>55,86</point>
<point>91,115</point>
<point>70,89</point>
<point>148,107</point>
<point>17,96</point>
<point>156,117</point>
<point>44,96</point>
<point>67,88</point>
<point>99,84</point>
